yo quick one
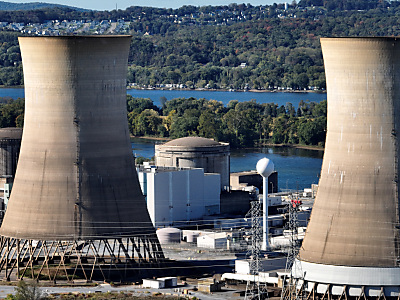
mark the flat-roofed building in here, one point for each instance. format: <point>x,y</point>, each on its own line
<point>178,196</point>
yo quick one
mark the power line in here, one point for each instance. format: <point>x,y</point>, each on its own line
<point>254,289</point>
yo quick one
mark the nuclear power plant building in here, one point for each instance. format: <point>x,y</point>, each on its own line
<point>76,191</point>
<point>196,152</point>
<point>179,196</point>
<point>10,144</point>
<point>352,247</point>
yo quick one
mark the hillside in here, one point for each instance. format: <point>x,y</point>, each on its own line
<point>237,47</point>
<point>33,6</point>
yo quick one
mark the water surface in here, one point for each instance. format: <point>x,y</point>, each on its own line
<point>279,98</point>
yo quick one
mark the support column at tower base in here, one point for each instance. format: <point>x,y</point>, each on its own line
<point>342,282</point>
<point>101,259</point>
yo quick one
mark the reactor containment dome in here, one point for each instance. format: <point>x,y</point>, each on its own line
<point>196,152</point>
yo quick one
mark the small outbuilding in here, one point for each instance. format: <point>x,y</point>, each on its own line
<point>217,240</point>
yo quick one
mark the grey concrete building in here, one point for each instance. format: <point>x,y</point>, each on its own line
<point>10,144</point>
<point>241,180</point>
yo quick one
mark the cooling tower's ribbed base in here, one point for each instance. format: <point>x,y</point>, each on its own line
<point>340,282</point>
<point>106,259</point>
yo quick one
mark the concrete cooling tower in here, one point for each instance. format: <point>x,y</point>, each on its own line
<point>352,245</point>
<point>76,195</point>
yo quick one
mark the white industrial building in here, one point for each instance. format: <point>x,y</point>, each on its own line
<point>220,240</point>
<point>176,195</point>
<point>214,240</point>
<point>5,189</point>
<point>284,240</point>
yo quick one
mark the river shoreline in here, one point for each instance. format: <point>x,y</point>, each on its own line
<point>307,147</point>
<point>224,90</point>
<point>200,89</point>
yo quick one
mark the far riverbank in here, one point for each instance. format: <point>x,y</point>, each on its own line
<point>279,98</point>
<point>223,90</point>
<point>307,147</point>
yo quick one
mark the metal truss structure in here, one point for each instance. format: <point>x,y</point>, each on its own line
<point>292,288</point>
<point>103,259</point>
<point>295,287</point>
<point>255,290</point>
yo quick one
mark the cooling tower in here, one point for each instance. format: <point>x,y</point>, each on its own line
<point>76,179</point>
<point>351,247</point>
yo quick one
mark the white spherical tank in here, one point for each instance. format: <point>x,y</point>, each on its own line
<point>265,167</point>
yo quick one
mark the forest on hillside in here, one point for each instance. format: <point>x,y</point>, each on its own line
<point>266,48</point>
<point>259,52</point>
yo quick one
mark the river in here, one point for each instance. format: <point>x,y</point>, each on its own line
<point>297,168</point>
<point>279,98</point>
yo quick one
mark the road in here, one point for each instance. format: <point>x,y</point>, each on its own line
<point>135,290</point>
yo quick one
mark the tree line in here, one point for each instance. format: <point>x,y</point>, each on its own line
<point>242,124</point>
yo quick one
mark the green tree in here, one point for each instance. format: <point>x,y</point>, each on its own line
<point>312,132</point>
<point>186,125</point>
<point>28,291</point>
<point>242,127</point>
<point>279,130</point>
<point>209,125</point>
<point>139,104</point>
<point>146,123</point>
<point>320,109</point>
<point>12,111</point>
